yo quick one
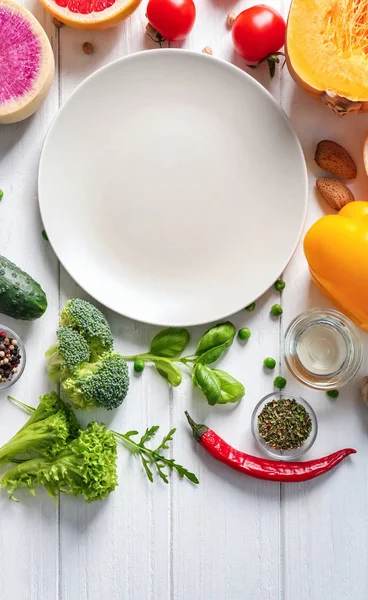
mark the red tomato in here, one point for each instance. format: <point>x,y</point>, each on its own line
<point>258,31</point>
<point>173,19</point>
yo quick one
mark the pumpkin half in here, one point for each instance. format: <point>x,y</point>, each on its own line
<point>327,51</point>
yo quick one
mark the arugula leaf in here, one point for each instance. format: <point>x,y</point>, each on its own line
<point>153,457</point>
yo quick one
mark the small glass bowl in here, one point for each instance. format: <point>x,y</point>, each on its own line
<point>284,454</point>
<point>22,363</point>
<point>337,323</point>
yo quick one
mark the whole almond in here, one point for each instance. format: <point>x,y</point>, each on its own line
<point>334,159</point>
<point>334,192</point>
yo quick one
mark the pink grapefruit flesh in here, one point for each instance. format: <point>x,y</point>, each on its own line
<point>90,14</point>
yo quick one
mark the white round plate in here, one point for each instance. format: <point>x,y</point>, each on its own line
<point>172,187</point>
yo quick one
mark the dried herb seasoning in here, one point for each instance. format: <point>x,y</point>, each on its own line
<point>284,424</point>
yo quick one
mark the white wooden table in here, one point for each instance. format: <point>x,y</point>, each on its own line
<point>231,537</point>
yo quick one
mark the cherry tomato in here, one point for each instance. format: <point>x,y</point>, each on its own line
<point>173,19</point>
<point>258,32</point>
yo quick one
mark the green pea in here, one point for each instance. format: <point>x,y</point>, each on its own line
<point>279,382</point>
<point>244,333</point>
<point>269,363</point>
<point>138,365</point>
<point>44,235</point>
<point>276,310</point>
<point>280,285</point>
<point>333,393</point>
<point>251,307</point>
<point>1,194</point>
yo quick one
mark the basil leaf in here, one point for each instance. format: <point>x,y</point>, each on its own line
<point>206,379</point>
<point>170,342</point>
<point>231,389</point>
<point>215,342</point>
<point>212,355</point>
<point>168,371</point>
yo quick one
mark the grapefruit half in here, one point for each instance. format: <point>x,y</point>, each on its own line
<point>91,14</point>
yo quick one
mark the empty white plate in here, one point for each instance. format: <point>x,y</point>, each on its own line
<point>172,187</point>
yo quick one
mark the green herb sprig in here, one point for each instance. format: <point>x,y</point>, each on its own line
<point>153,457</point>
<point>165,353</point>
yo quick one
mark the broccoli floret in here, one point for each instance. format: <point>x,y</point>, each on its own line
<point>86,467</point>
<point>50,428</point>
<point>70,350</point>
<point>91,324</point>
<point>102,383</point>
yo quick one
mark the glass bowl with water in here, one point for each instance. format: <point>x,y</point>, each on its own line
<point>323,349</point>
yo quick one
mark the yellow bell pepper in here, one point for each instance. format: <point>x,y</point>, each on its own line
<point>336,248</point>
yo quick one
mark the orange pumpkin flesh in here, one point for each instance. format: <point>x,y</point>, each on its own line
<point>327,51</point>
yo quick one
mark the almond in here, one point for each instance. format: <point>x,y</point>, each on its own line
<point>334,159</point>
<point>334,192</point>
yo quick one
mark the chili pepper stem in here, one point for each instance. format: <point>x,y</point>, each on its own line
<point>198,429</point>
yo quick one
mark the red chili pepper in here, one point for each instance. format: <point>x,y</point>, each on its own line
<point>262,468</point>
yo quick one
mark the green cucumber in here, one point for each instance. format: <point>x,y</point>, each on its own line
<point>20,296</point>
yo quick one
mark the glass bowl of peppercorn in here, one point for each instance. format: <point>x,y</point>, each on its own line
<point>12,357</point>
<point>284,426</point>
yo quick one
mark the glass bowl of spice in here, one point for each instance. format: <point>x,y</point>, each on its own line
<point>12,357</point>
<point>284,426</point>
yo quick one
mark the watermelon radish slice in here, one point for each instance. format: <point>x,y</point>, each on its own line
<point>26,63</point>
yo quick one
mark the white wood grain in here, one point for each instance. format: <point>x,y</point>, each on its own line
<point>226,532</point>
<point>231,537</point>
<point>123,551</point>
<point>324,524</point>
<point>28,530</point>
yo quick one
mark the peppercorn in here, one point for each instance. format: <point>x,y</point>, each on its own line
<point>10,357</point>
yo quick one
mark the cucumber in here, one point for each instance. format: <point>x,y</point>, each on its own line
<point>20,296</point>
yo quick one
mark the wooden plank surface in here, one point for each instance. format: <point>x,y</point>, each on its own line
<point>28,530</point>
<point>230,538</point>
